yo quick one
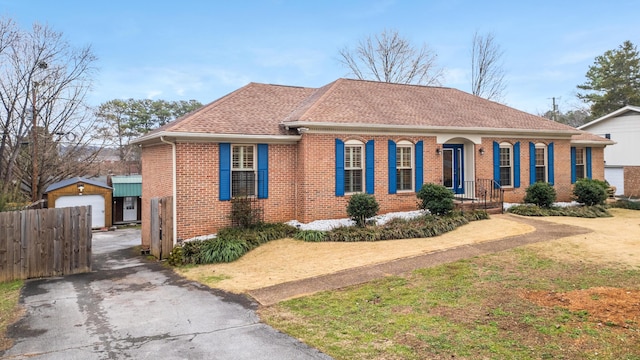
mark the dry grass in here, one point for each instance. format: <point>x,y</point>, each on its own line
<point>287,259</point>
<point>613,240</point>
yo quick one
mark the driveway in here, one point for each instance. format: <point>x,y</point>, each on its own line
<point>130,308</point>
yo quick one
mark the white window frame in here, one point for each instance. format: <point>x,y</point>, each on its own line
<point>582,162</point>
<point>545,164</point>
<point>349,165</point>
<point>401,147</point>
<point>510,166</point>
<point>243,167</point>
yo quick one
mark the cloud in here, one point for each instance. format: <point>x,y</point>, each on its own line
<point>170,83</point>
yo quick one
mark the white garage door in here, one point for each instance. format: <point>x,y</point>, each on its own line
<point>96,202</point>
<point>615,177</point>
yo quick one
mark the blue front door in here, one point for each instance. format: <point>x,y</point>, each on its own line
<point>452,167</point>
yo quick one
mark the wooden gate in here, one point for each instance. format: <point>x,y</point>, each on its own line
<point>161,227</point>
<point>45,242</point>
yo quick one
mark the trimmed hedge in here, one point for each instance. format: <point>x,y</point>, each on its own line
<point>595,211</point>
<point>590,192</point>
<point>541,193</point>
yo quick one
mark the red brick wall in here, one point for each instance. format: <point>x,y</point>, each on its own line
<point>199,210</point>
<point>632,181</point>
<point>562,166</point>
<point>157,181</point>
<point>302,179</point>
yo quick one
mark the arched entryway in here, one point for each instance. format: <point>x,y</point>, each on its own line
<point>458,165</point>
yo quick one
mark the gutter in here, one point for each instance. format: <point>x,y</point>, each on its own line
<point>174,190</point>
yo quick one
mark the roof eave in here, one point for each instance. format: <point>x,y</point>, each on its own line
<point>324,126</point>
<point>593,142</point>
<point>210,137</point>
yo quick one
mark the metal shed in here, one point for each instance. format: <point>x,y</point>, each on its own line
<point>127,198</point>
<point>82,192</point>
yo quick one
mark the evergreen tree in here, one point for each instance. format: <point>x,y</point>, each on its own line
<point>613,81</point>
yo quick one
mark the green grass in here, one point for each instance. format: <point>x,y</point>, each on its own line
<point>470,309</point>
<point>9,309</point>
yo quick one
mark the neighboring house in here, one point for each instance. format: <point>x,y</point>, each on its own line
<point>622,162</point>
<point>83,192</point>
<point>300,152</point>
<point>127,198</point>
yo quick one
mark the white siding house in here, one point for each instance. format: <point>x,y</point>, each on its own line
<point>622,161</point>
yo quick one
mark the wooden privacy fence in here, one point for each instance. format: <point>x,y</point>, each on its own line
<point>45,242</point>
<point>161,227</point>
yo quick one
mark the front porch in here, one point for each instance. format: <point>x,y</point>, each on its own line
<point>481,194</point>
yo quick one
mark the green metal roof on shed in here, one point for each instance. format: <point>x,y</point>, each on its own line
<point>129,185</point>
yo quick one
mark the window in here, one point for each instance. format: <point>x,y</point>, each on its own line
<point>541,162</point>
<point>243,171</point>
<point>353,162</point>
<point>506,165</point>
<point>580,163</point>
<point>129,203</point>
<point>404,166</point>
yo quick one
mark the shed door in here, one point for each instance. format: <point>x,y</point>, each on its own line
<point>615,177</point>
<point>129,211</point>
<point>96,202</point>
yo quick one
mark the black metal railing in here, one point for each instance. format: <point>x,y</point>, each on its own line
<point>484,192</point>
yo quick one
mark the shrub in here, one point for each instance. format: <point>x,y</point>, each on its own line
<point>540,193</point>
<point>626,204</point>
<point>596,211</point>
<point>243,212</point>
<point>310,235</point>
<point>435,198</point>
<point>362,206</point>
<point>590,192</point>
<point>222,250</point>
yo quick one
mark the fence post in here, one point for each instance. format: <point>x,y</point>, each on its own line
<point>155,227</point>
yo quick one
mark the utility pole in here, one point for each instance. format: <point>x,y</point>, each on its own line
<point>555,109</point>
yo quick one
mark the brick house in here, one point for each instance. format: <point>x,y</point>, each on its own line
<point>301,151</point>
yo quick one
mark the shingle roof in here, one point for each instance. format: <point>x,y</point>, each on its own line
<point>262,109</point>
<point>255,109</point>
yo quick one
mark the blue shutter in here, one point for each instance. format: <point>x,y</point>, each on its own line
<point>496,164</point>
<point>392,167</point>
<point>532,163</point>
<point>263,171</point>
<point>589,173</point>
<point>516,164</point>
<point>370,161</point>
<point>573,165</point>
<point>419,167</point>
<point>551,175</point>
<point>339,167</point>
<point>225,171</point>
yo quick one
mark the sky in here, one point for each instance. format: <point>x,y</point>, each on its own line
<point>202,50</point>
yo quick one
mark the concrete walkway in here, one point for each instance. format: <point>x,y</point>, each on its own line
<point>544,231</point>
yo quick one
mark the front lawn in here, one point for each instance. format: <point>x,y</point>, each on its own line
<point>517,304</point>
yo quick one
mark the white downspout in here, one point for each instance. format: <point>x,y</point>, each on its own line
<point>174,190</point>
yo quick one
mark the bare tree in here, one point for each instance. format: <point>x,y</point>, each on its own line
<point>388,57</point>
<point>44,82</point>
<point>487,72</point>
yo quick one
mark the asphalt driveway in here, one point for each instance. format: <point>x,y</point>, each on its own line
<point>128,308</point>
